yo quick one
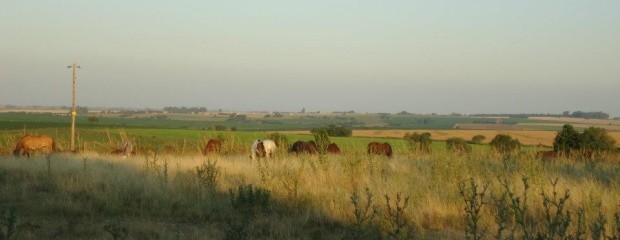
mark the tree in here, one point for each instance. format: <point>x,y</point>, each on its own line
<point>478,139</point>
<point>504,144</point>
<point>237,118</point>
<point>457,145</point>
<point>566,140</point>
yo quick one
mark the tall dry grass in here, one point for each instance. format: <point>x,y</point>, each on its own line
<point>414,195</point>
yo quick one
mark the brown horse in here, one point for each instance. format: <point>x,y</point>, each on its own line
<point>547,155</point>
<point>380,149</point>
<point>125,151</point>
<point>213,147</point>
<point>29,144</point>
<point>333,148</point>
<point>308,147</point>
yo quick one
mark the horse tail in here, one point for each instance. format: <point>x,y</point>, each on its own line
<point>53,145</point>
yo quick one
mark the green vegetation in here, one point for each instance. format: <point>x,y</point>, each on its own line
<point>505,144</point>
<point>321,138</point>
<point>593,140</point>
<point>333,130</point>
<point>457,145</point>
<point>419,141</point>
<point>478,139</point>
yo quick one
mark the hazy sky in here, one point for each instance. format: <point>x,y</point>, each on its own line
<point>376,56</point>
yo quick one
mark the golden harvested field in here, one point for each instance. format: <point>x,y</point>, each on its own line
<point>525,137</point>
<point>593,122</point>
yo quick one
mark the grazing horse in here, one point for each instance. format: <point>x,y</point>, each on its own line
<point>213,147</point>
<point>308,147</point>
<point>380,149</point>
<point>125,151</point>
<point>263,148</point>
<point>29,144</point>
<point>547,155</point>
<point>333,148</point>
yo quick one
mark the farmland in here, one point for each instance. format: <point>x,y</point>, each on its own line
<point>170,191</point>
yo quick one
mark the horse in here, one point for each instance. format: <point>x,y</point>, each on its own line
<point>30,143</point>
<point>213,147</point>
<point>125,151</point>
<point>263,148</point>
<point>380,149</point>
<point>308,147</point>
<point>333,148</point>
<point>547,155</point>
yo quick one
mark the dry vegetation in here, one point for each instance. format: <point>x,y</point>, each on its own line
<point>525,137</point>
<point>310,197</point>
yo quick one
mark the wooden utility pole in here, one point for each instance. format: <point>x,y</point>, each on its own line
<point>74,68</point>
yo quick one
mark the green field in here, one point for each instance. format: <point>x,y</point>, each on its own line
<point>255,122</point>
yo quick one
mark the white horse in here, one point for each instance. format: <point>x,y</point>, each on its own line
<point>263,148</point>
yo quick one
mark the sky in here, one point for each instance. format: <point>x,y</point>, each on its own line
<point>368,56</point>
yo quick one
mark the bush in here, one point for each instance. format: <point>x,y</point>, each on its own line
<point>93,119</point>
<point>504,144</point>
<point>566,140</point>
<point>335,131</point>
<point>457,145</point>
<point>590,141</point>
<point>596,139</point>
<point>478,139</point>
<point>420,142</point>
<point>321,137</point>
<point>280,139</point>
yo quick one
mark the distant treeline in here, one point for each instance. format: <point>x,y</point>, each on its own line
<point>185,109</point>
<point>576,114</point>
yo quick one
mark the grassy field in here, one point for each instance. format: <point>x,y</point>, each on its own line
<point>170,191</point>
<point>164,196</point>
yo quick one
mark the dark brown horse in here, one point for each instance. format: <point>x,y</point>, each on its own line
<point>380,149</point>
<point>333,148</point>
<point>213,147</point>
<point>30,144</point>
<point>308,147</point>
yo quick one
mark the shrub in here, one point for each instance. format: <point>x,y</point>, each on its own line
<point>592,140</point>
<point>93,119</point>
<point>279,139</point>
<point>478,139</point>
<point>208,175</point>
<point>473,196</point>
<point>321,137</point>
<point>219,128</point>
<point>421,142</point>
<point>596,139</point>
<point>457,145</point>
<point>504,144</point>
<point>249,200</point>
<point>335,131</point>
<point>566,140</point>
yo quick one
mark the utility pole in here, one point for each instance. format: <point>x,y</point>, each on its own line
<point>74,68</point>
